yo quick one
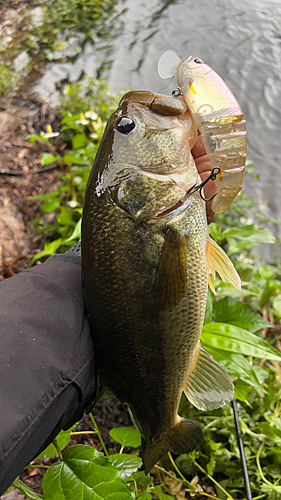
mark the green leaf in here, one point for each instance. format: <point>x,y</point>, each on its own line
<point>48,158</point>
<point>145,496</point>
<point>85,474</point>
<point>251,233</point>
<point>273,492</point>
<point>126,436</point>
<point>52,205</point>
<point>62,439</point>
<point>161,494</point>
<point>239,314</point>
<point>76,232</point>
<point>125,464</point>
<point>46,196</point>
<point>227,290</point>
<point>269,291</point>
<point>33,138</point>
<point>237,340</point>
<point>238,366</point>
<point>209,308</point>
<point>73,157</point>
<point>64,218</point>
<point>142,478</point>
<point>78,141</point>
<point>26,491</point>
<point>52,246</point>
<point>242,390</point>
<point>271,432</point>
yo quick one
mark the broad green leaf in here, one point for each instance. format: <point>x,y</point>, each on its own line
<point>26,490</point>
<point>276,306</point>
<point>62,439</point>
<point>238,366</point>
<point>269,291</point>
<point>271,432</point>
<point>52,205</point>
<point>126,436</point>
<point>39,256</point>
<point>33,137</point>
<point>48,158</point>
<point>237,340</point>
<point>215,231</point>
<point>76,232</point>
<point>85,474</point>
<point>161,494</point>
<point>142,478</point>
<point>145,496</point>
<point>78,141</point>
<point>125,464</point>
<point>73,157</point>
<point>65,216</point>
<point>53,245</point>
<point>239,314</point>
<point>227,290</point>
<point>273,492</point>
<point>242,391</point>
<point>46,196</point>
<point>251,233</point>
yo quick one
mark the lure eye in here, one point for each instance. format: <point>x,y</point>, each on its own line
<point>125,125</point>
<point>198,61</point>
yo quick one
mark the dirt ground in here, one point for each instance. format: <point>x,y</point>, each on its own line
<point>21,177</point>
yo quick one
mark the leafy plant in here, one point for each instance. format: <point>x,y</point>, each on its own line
<point>85,108</point>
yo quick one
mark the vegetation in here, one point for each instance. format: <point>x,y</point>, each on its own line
<point>53,30</point>
<point>236,332</point>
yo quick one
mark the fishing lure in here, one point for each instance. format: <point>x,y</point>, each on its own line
<point>219,118</point>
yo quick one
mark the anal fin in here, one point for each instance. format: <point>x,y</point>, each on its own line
<point>219,262</point>
<point>208,385</point>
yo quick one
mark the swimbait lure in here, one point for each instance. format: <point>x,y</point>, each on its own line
<point>219,118</point>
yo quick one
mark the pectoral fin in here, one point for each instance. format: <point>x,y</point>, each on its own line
<point>219,262</point>
<point>171,276</point>
<point>208,385</point>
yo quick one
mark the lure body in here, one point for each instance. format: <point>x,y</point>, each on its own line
<point>219,118</point>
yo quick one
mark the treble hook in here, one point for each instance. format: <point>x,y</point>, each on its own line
<point>212,177</point>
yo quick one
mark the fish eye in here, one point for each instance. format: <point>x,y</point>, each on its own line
<point>125,125</point>
<point>198,61</point>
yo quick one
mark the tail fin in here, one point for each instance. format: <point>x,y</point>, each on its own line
<point>184,437</point>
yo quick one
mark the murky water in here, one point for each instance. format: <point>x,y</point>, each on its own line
<point>240,39</point>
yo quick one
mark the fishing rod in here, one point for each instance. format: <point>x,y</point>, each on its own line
<point>242,452</point>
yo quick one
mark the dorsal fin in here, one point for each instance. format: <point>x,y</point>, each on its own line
<point>167,64</point>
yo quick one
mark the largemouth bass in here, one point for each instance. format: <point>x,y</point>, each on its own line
<point>219,118</point>
<point>146,257</point>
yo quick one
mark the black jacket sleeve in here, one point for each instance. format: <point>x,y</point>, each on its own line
<point>47,362</point>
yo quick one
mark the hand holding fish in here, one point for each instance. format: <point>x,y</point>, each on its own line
<point>204,167</point>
